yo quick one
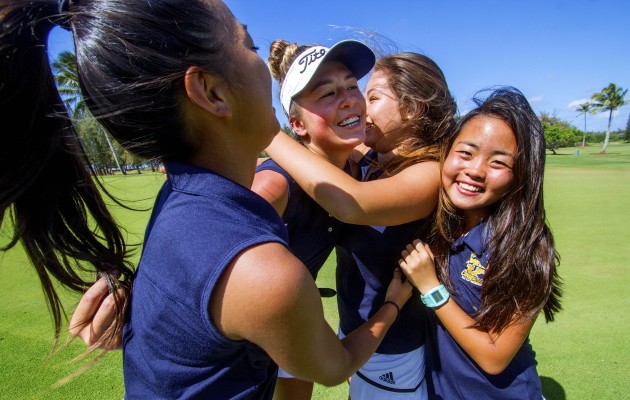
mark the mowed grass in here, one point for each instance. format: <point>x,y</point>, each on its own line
<point>582,355</point>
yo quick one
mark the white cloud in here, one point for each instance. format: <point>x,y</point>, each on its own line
<point>536,100</point>
<point>576,103</point>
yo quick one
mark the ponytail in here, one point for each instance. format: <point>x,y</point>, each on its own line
<point>47,190</point>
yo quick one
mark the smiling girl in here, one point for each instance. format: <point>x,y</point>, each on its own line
<point>493,266</point>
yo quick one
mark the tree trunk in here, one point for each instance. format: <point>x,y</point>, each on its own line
<point>584,137</point>
<point>607,139</point>
<point>111,147</point>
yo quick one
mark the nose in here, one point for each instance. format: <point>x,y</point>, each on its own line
<point>476,170</point>
<point>346,99</point>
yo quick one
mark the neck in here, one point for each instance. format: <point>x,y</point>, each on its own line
<point>384,158</point>
<point>233,164</point>
<point>338,158</point>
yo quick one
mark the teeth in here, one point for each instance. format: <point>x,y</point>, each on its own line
<point>349,121</point>
<point>468,187</point>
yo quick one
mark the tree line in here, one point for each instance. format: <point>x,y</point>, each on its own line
<point>108,156</point>
<point>105,154</point>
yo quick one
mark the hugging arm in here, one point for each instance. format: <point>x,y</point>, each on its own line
<point>407,196</point>
<point>268,297</point>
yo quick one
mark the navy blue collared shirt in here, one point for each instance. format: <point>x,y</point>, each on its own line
<point>171,347</point>
<point>451,373</point>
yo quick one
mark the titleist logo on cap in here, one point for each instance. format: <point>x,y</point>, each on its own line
<point>310,58</point>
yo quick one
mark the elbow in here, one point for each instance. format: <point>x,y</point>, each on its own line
<point>493,367</point>
<point>346,215</point>
<point>333,381</point>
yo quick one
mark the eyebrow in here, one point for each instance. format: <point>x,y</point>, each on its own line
<point>382,89</point>
<point>499,152</point>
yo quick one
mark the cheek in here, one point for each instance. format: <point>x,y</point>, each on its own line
<point>503,181</point>
<point>449,169</point>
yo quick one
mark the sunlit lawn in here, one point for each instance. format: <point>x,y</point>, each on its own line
<point>582,355</point>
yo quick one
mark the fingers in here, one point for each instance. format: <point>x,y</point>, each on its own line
<point>95,314</point>
<point>88,306</point>
<point>102,320</point>
<point>428,250</point>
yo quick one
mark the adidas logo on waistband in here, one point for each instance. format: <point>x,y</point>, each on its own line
<point>388,377</point>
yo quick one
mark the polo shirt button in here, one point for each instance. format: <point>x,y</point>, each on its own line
<point>330,229</point>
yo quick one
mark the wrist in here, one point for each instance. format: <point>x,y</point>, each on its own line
<point>393,303</point>
<point>429,285</point>
<point>435,297</point>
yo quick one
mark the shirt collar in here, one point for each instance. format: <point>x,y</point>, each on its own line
<point>474,239</point>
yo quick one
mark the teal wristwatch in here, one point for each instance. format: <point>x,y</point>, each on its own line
<point>435,297</point>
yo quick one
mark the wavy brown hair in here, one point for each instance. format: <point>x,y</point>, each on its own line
<point>422,92</point>
<point>522,278</point>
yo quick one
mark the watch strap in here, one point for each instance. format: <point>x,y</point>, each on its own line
<point>435,297</point>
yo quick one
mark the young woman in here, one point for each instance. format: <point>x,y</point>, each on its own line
<point>493,266</point>
<point>410,111</point>
<point>218,299</point>
<point>330,126</point>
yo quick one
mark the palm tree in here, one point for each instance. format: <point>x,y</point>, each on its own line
<point>609,99</point>
<point>67,78</point>
<point>583,109</point>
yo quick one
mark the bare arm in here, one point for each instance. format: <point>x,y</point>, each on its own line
<point>490,350</point>
<point>273,187</point>
<point>404,197</point>
<point>268,297</point>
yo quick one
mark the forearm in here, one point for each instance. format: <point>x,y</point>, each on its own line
<point>492,352</point>
<point>363,341</point>
<point>321,180</point>
<point>407,196</point>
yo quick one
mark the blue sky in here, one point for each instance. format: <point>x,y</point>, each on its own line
<point>557,52</point>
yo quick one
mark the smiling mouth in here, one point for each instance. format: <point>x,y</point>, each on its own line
<point>468,187</point>
<point>350,122</point>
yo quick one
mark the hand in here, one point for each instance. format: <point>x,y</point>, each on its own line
<point>94,314</point>
<point>418,264</point>
<point>398,291</point>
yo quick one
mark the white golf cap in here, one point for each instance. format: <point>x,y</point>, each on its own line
<point>355,55</point>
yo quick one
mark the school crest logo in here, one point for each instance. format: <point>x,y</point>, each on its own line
<point>474,270</point>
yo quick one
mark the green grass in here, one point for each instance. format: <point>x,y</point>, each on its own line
<point>582,355</point>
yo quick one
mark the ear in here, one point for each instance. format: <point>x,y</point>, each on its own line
<point>207,91</point>
<point>298,127</point>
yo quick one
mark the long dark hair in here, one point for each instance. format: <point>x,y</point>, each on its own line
<point>521,279</point>
<point>132,56</point>
<point>422,93</point>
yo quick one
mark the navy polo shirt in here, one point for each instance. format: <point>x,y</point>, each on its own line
<point>451,373</point>
<point>366,259</point>
<point>171,347</point>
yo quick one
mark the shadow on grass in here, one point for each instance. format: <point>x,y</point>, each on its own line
<point>552,389</point>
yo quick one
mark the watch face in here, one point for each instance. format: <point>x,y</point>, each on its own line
<point>437,296</point>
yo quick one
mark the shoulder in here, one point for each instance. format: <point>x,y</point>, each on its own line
<point>272,186</point>
<point>262,284</point>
